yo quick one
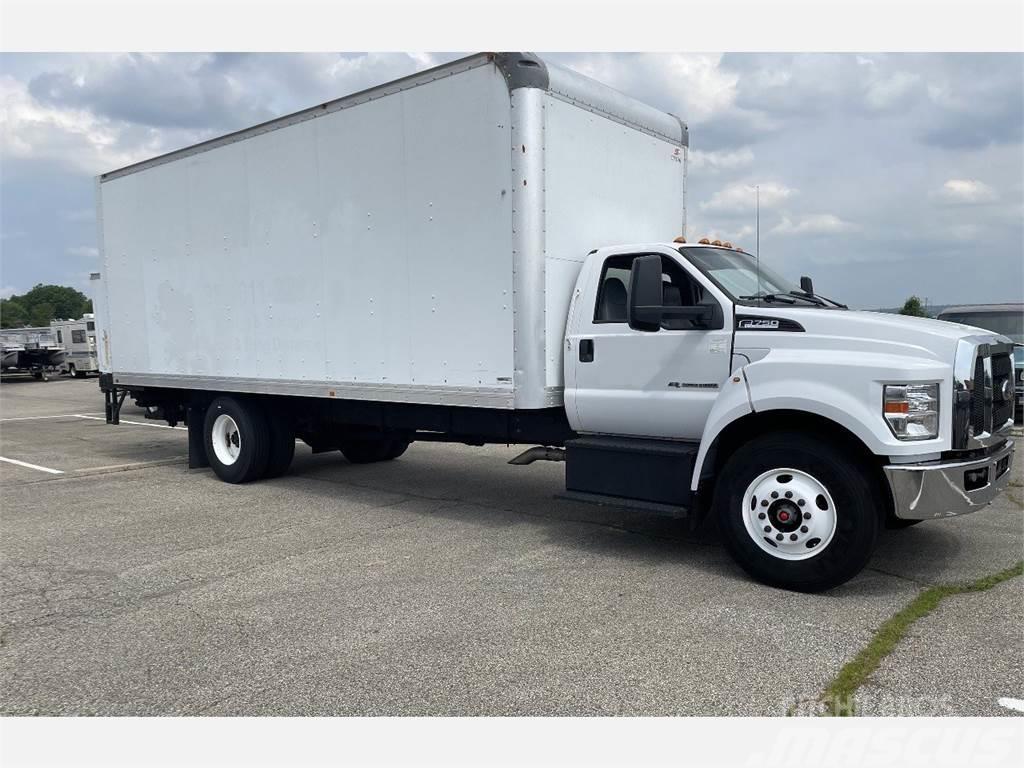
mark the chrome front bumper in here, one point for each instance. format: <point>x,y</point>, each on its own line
<point>948,488</point>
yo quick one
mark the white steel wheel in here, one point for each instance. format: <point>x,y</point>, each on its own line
<point>227,443</point>
<point>789,514</point>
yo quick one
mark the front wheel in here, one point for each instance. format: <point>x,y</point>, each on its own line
<point>796,512</point>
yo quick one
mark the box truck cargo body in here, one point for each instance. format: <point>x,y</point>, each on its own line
<point>490,252</point>
<point>417,242</point>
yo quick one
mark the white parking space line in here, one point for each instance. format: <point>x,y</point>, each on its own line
<point>1015,704</point>
<point>35,418</point>
<point>125,421</point>
<point>32,466</point>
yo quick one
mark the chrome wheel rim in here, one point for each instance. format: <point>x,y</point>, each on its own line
<point>227,443</point>
<point>789,514</point>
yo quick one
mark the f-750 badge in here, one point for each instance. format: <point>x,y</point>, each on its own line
<point>758,324</point>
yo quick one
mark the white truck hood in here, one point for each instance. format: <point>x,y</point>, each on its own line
<point>835,364</point>
<point>855,331</point>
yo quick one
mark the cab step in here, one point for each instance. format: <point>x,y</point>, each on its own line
<point>631,470</point>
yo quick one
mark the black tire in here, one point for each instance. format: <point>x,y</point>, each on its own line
<point>374,449</point>
<point>399,446</point>
<point>71,371</point>
<point>854,490</point>
<point>253,439</point>
<point>282,442</point>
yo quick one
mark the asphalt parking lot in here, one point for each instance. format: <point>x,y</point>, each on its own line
<point>444,583</point>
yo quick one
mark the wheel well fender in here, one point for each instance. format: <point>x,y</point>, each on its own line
<point>746,427</point>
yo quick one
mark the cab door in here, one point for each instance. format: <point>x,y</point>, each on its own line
<point>645,383</point>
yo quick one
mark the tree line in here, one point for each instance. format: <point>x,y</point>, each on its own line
<point>914,307</point>
<point>42,304</point>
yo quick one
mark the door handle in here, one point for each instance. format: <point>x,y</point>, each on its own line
<point>586,350</point>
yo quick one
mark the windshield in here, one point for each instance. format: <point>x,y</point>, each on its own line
<point>1005,323</point>
<point>737,273</point>
<point>1018,355</point>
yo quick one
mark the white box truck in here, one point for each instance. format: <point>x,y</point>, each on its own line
<point>485,252</point>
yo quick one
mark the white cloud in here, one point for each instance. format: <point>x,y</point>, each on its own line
<point>737,236</point>
<point>892,91</point>
<point>7,291</point>
<point>693,85</point>
<point>739,197</point>
<point>813,224</point>
<point>700,83</point>
<point>722,160</point>
<point>84,251</point>
<point>73,137</point>
<point>965,192</point>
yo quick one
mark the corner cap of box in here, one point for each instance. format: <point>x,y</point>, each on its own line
<point>522,70</point>
<point>684,131</point>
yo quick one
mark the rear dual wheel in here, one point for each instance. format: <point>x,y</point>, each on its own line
<point>370,450</point>
<point>246,441</point>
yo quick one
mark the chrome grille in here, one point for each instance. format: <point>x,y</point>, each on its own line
<point>981,408</point>
<point>980,399</point>
<point>1002,407</point>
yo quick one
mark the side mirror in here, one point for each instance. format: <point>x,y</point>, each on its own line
<point>806,285</point>
<point>644,308</point>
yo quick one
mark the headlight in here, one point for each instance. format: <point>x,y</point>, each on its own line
<point>912,410</point>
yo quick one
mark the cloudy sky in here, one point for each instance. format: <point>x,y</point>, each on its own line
<point>880,175</point>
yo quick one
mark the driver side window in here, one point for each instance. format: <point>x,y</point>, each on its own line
<point>678,290</point>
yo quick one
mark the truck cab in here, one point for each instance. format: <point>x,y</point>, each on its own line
<point>787,414</point>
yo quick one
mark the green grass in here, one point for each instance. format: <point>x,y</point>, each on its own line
<point>838,696</point>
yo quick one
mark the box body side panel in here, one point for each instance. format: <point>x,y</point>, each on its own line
<point>369,248</point>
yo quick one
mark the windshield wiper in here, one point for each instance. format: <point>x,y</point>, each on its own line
<point>816,300</point>
<point>838,304</point>
<point>770,297</point>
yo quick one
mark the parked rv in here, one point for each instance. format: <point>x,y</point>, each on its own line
<point>486,252</point>
<point>1005,319</point>
<point>78,338</point>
